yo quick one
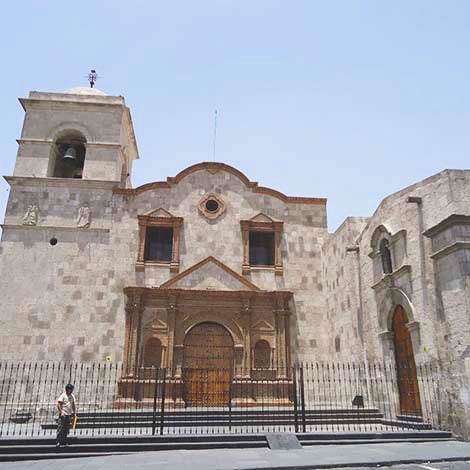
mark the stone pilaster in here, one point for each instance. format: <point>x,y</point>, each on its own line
<point>246,314</point>
<point>278,270</point>
<point>175,254</point>
<point>245,225</point>
<point>172,312</point>
<point>281,314</point>
<point>134,311</point>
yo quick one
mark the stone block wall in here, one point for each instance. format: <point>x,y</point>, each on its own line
<point>77,285</point>
<point>343,318</point>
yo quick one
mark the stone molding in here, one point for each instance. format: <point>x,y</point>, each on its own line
<point>214,167</point>
<point>388,280</point>
<point>201,263</point>
<point>179,294</point>
<point>51,182</point>
<point>86,144</point>
<point>54,228</point>
<point>454,219</point>
<point>459,245</point>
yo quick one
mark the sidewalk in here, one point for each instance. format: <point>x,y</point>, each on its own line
<point>328,456</point>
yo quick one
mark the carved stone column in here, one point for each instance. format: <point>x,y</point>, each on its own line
<point>134,311</point>
<point>277,248</point>
<point>175,260</point>
<point>281,314</point>
<point>141,254</point>
<point>245,225</point>
<point>172,312</point>
<point>245,314</point>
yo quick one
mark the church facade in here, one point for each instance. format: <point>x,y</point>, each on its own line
<point>208,269</point>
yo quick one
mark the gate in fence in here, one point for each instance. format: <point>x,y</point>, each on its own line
<point>314,397</point>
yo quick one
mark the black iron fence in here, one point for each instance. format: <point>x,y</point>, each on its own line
<point>313,397</point>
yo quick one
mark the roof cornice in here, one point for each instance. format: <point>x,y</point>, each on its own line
<point>215,167</point>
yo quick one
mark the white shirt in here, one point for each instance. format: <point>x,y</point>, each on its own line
<point>68,402</point>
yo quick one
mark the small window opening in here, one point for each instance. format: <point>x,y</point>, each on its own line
<point>158,244</point>
<point>53,241</point>
<point>386,255</point>
<point>69,150</point>
<point>261,248</point>
<point>212,205</point>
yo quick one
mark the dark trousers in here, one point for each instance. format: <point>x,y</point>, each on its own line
<point>63,428</point>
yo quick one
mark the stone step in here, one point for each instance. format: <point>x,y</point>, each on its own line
<point>41,448</point>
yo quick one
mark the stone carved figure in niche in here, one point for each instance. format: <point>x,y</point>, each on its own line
<point>31,216</point>
<point>84,217</point>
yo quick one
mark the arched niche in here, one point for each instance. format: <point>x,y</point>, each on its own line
<point>153,351</point>
<point>68,152</point>
<point>262,355</point>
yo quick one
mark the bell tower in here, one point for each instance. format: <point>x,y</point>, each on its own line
<point>80,133</point>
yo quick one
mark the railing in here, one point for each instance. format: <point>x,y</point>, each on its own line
<point>313,397</point>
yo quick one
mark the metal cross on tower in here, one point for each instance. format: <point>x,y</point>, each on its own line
<point>92,77</point>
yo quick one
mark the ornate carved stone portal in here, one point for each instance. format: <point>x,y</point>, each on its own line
<point>208,339</point>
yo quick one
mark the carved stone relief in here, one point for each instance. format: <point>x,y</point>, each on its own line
<point>84,217</point>
<point>31,216</point>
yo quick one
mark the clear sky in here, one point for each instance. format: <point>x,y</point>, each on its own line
<point>348,100</point>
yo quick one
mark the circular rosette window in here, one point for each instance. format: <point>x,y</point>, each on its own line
<point>212,206</point>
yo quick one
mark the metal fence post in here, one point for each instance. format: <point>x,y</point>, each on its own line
<point>162,411</point>
<point>296,418</point>
<point>302,398</point>
<point>154,416</point>
<point>230,402</point>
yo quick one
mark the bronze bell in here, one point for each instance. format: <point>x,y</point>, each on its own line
<point>70,154</point>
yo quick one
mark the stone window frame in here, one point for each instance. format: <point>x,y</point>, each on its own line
<point>382,232</point>
<point>212,215</point>
<point>275,227</point>
<point>169,221</point>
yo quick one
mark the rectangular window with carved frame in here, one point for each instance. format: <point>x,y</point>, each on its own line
<point>159,233</point>
<point>262,244</point>
<point>158,244</point>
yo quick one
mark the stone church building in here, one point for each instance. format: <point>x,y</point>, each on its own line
<point>210,269</point>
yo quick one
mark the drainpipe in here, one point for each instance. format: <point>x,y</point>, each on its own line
<point>422,262</point>
<point>355,249</point>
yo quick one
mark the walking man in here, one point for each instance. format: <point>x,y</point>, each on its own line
<point>67,410</point>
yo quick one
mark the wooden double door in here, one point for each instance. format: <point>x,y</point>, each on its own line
<point>207,365</point>
<point>408,389</point>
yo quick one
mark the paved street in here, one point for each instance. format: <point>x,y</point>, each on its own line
<point>327,456</point>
